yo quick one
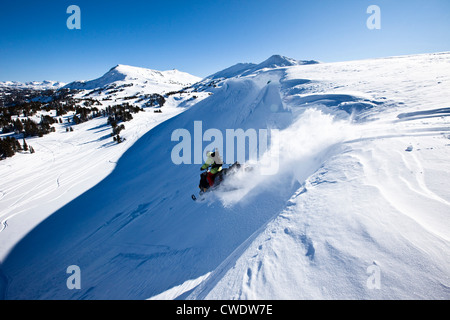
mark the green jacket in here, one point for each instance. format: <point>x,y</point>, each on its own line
<point>214,162</point>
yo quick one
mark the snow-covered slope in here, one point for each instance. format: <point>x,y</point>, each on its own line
<point>358,208</point>
<point>372,222</point>
<point>244,69</point>
<point>233,71</point>
<point>133,85</point>
<point>152,80</point>
<point>277,61</point>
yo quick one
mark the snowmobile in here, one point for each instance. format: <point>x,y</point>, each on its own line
<point>218,178</point>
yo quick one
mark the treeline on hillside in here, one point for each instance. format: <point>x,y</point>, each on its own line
<point>17,96</point>
<point>14,105</point>
<point>19,114</point>
<point>10,145</point>
<point>117,114</point>
<point>153,100</point>
<point>23,128</point>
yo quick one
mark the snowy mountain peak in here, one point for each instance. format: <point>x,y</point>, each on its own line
<point>130,71</point>
<point>126,73</point>
<point>243,69</point>
<point>277,61</point>
<point>233,71</point>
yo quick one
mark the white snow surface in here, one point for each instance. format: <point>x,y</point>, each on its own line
<point>359,208</point>
<point>242,69</point>
<point>153,81</point>
<point>35,85</point>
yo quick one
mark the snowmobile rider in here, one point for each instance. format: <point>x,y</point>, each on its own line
<point>214,162</point>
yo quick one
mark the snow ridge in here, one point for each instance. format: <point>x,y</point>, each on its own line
<point>124,73</point>
<point>350,213</point>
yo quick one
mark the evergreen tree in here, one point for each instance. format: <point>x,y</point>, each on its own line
<point>7,147</point>
<point>25,146</point>
<point>18,125</point>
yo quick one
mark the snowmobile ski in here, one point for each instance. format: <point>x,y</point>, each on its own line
<point>199,198</point>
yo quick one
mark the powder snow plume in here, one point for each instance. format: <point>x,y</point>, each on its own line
<point>294,154</point>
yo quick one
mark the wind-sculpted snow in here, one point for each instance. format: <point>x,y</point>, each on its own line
<point>347,214</point>
<point>142,198</point>
<point>138,233</point>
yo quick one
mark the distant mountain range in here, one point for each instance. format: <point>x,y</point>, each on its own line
<point>242,69</point>
<point>35,85</point>
<point>154,81</point>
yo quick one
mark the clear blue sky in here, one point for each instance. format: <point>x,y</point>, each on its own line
<point>202,37</point>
